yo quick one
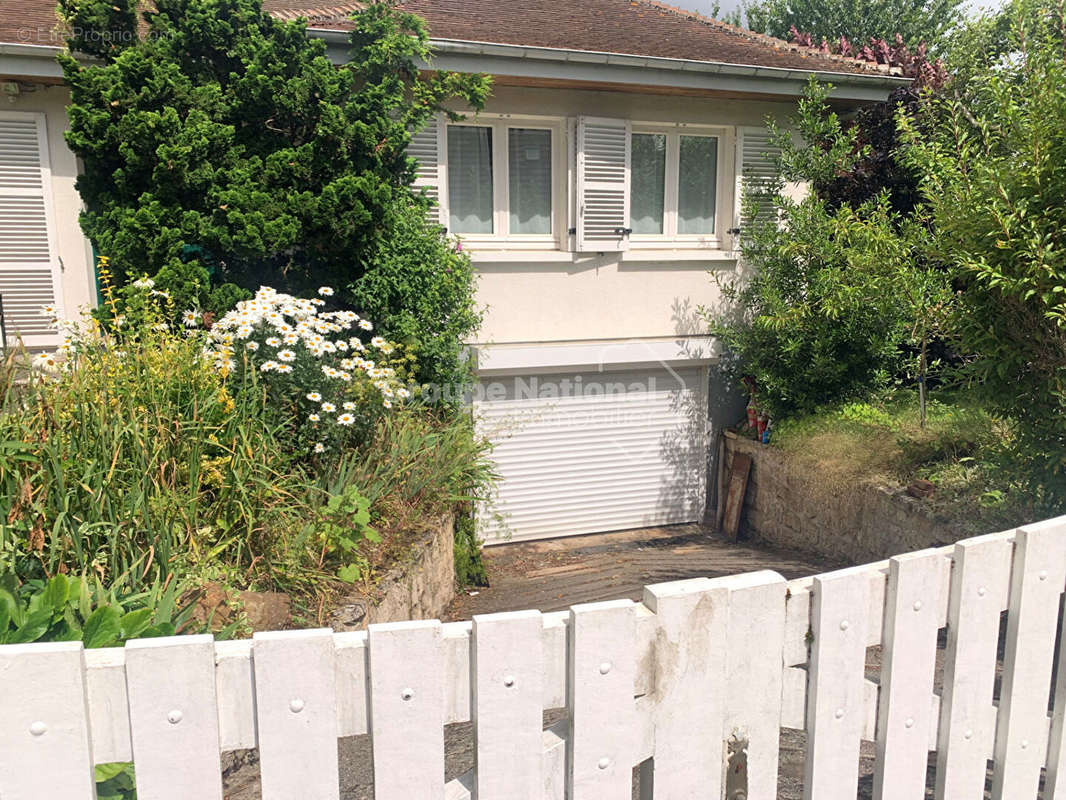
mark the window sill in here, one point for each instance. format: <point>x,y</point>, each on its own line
<point>481,256</point>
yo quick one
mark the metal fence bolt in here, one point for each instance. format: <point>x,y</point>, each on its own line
<point>508,681</point>
<point>605,667</point>
<point>844,624</point>
<point>38,728</point>
<point>174,717</point>
<point>839,713</point>
<point>604,763</point>
<point>407,694</point>
<point>917,605</point>
<point>296,705</point>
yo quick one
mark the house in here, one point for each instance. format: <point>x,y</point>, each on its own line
<point>595,193</point>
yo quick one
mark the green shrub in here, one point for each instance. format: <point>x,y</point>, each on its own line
<point>993,164</point>
<point>837,295</point>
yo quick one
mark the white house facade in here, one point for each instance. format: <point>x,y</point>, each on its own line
<point>596,193</point>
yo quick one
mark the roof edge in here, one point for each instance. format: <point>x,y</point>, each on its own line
<point>606,58</point>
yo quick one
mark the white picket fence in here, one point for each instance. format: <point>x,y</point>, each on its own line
<point>700,671</point>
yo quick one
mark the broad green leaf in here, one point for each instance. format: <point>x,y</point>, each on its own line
<point>102,628</point>
<point>35,626</point>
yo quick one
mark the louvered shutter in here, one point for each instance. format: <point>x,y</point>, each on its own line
<point>28,265</point>
<point>757,178</point>
<point>603,158</point>
<point>427,147</point>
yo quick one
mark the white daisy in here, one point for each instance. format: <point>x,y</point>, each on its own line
<point>402,393</point>
<point>284,368</point>
<point>252,345</point>
<point>190,318</point>
<point>314,397</point>
<point>267,366</point>
<point>144,283</point>
<point>325,291</point>
<point>286,355</point>
<point>314,417</point>
<point>48,310</point>
<point>319,447</point>
<point>328,407</point>
<point>366,325</point>
<point>273,341</point>
<point>345,419</point>
<point>378,341</point>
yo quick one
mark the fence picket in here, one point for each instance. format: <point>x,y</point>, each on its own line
<point>235,690</point>
<point>109,710</point>
<point>407,709</point>
<point>909,659</point>
<point>602,669</point>
<point>1055,788</point>
<point>979,584</point>
<point>688,706</point>
<point>350,671</point>
<point>508,715</point>
<point>296,708</point>
<point>45,748</point>
<point>1037,581</point>
<point>753,669</point>
<point>835,697</point>
<point>174,717</point>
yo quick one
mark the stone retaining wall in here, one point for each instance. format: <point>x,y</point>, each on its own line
<point>786,506</point>
<point>419,587</point>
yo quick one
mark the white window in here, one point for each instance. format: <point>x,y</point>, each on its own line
<point>676,184</point>
<point>589,184</point>
<point>505,180</point>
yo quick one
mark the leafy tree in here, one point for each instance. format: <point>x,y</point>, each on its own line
<point>840,295</point>
<point>916,21</point>
<point>992,156</point>
<point>222,147</point>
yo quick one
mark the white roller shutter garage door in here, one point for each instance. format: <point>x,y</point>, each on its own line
<point>594,452</point>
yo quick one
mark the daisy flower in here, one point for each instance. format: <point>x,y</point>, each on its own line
<point>45,362</point>
<point>325,291</point>
<point>366,325</point>
<point>285,368</point>
<point>314,417</point>
<point>190,318</point>
<point>48,310</point>
<point>349,406</point>
<point>378,341</point>
<point>319,447</point>
<point>291,338</point>
<point>345,419</point>
<point>314,397</point>
<point>244,331</point>
<point>273,341</point>
<point>286,355</point>
<point>267,366</point>
<point>386,402</point>
<point>252,345</point>
<point>328,407</point>
<point>402,393</point>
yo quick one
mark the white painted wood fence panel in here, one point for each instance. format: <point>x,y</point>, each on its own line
<point>508,715</point>
<point>174,718</point>
<point>703,671</point>
<point>979,589</point>
<point>1037,581</point>
<point>908,662</point>
<point>44,723</point>
<point>296,709</point>
<point>602,671</point>
<point>689,703</point>
<point>407,709</point>
<point>835,700</point>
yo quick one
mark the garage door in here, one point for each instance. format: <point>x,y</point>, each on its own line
<point>593,452</point>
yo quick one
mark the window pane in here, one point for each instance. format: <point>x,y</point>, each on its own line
<point>697,184</point>
<point>470,179</point>
<point>530,179</point>
<point>648,184</point>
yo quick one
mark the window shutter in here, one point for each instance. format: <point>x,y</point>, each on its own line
<point>28,264</point>
<point>757,178</point>
<point>603,160</point>
<point>427,147</point>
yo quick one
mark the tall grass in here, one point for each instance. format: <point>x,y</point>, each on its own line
<point>139,456</point>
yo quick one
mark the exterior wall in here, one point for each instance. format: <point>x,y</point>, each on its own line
<point>649,291</point>
<point>788,507</point>
<point>77,288</point>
